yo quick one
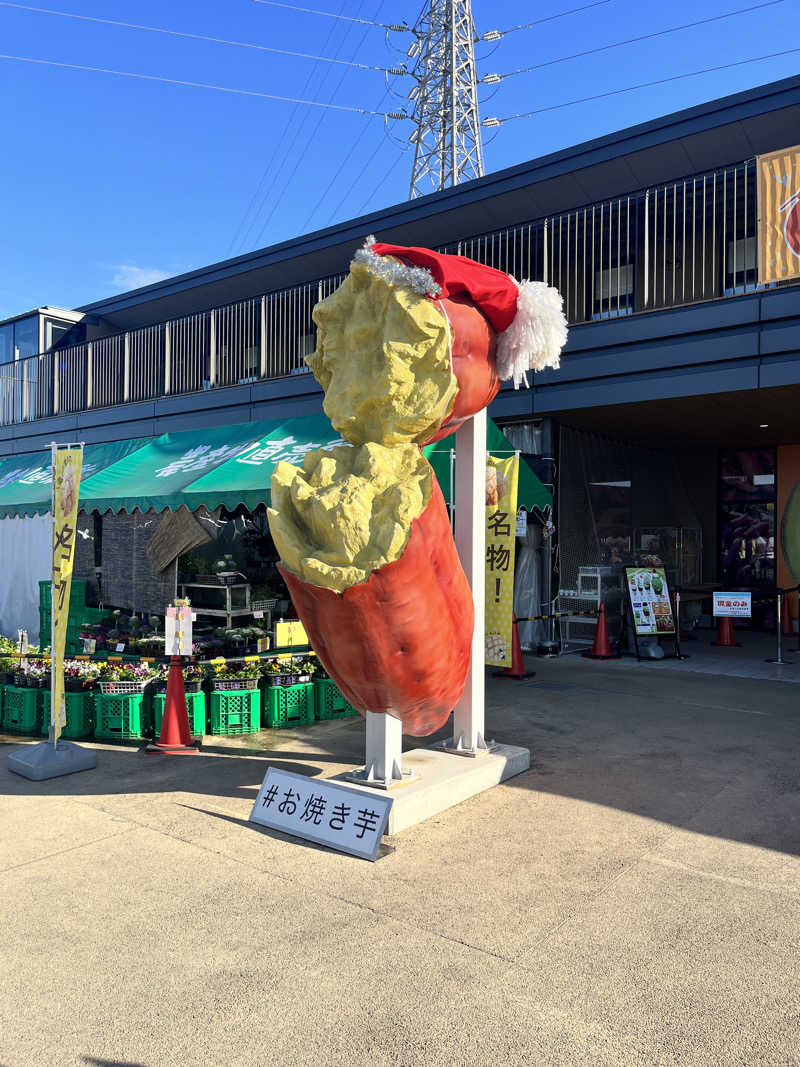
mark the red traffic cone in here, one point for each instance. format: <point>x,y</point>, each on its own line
<point>517,669</point>
<point>175,739</point>
<point>725,638</point>
<point>601,649</point>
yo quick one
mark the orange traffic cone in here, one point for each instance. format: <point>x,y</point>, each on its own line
<point>725,638</point>
<point>601,649</point>
<point>175,739</point>
<point>517,669</point>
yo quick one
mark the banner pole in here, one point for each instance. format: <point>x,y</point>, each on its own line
<point>51,729</point>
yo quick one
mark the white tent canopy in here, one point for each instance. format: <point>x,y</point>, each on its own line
<point>25,551</point>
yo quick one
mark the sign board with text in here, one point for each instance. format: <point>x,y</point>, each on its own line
<point>732,605</point>
<point>651,607</point>
<point>318,810</point>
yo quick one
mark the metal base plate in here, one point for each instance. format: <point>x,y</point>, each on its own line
<point>360,777</point>
<point>471,753</point>
<point>42,761</point>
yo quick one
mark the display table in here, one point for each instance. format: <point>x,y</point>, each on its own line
<point>233,603</point>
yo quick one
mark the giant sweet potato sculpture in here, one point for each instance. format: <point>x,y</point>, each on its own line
<point>371,566</point>
<point>408,347</point>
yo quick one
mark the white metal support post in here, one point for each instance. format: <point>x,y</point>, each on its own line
<point>470,535</point>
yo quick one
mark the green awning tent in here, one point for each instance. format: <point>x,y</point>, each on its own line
<point>221,466</point>
<point>531,494</point>
<point>26,481</point>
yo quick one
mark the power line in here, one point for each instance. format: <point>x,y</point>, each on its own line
<point>396,27</point>
<point>494,34</point>
<point>635,40</point>
<point>188,36</point>
<point>301,156</point>
<point>243,229</point>
<point>204,85</point>
<point>641,85</point>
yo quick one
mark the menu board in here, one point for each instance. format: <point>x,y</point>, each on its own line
<point>649,598</point>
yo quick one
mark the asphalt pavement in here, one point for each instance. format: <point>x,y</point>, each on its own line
<point>632,899</point>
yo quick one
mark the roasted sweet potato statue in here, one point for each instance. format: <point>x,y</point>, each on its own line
<point>411,345</point>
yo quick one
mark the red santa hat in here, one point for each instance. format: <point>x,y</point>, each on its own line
<point>527,316</point>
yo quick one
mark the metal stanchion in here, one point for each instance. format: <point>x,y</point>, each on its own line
<point>677,620</point>
<point>779,618</point>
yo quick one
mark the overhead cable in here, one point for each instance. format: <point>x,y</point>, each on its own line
<point>277,159</point>
<point>490,78</point>
<point>300,157</point>
<point>396,27</point>
<point>489,122</point>
<point>494,35</point>
<point>190,36</point>
<point>205,85</point>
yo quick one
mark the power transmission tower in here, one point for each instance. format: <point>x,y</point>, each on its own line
<point>447,138</point>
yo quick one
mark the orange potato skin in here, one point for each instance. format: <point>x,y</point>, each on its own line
<point>399,643</point>
<point>474,347</point>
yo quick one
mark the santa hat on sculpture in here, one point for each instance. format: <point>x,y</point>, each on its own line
<point>527,317</point>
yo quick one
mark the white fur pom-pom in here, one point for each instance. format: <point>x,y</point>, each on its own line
<point>535,338</point>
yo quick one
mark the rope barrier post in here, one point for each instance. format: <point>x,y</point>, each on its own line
<point>779,660</point>
<point>678,653</point>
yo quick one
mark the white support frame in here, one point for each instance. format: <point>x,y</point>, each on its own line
<point>384,734</point>
<point>470,535</point>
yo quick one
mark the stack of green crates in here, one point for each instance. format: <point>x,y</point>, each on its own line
<point>195,707</point>
<point>329,702</point>
<point>80,615</point>
<point>21,710</point>
<point>289,705</point>
<point>80,714</point>
<point>235,711</point>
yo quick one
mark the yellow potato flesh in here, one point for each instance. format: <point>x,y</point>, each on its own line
<point>383,359</point>
<point>347,511</point>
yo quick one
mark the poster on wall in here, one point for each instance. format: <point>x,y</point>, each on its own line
<point>779,216</point>
<point>651,608</point>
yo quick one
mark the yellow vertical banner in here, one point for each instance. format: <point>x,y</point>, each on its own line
<point>779,215</point>
<point>67,464</point>
<point>502,477</point>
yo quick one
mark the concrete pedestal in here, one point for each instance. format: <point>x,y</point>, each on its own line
<point>444,780</point>
<point>45,760</point>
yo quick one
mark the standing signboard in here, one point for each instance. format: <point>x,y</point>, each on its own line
<point>66,473</point>
<point>779,216</point>
<point>502,477</point>
<point>650,603</point>
<point>349,820</point>
<point>732,605</point>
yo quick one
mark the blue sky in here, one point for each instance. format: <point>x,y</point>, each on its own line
<point>111,182</point>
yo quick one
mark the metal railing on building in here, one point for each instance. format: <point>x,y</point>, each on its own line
<point>677,243</point>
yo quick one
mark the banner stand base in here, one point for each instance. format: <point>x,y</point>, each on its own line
<point>45,760</point>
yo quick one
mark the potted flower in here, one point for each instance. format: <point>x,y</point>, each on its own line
<point>279,672</point>
<point>124,677</point>
<point>38,675</point>
<point>235,674</point>
<point>80,675</point>
<point>192,678</point>
<point>307,668</point>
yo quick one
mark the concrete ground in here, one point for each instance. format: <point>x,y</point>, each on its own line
<point>633,899</point>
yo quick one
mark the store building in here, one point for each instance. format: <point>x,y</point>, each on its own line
<point>670,428</point>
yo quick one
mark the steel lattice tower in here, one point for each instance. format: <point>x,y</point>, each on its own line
<point>447,139</point>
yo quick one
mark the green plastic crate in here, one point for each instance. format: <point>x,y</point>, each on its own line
<point>329,702</point>
<point>80,715</point>
<point>289,705</point>
<point>195,706</point>
<point>235,711</point>
<point>21,710</point>
<point>77,594</point>
<point>119,716</point>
